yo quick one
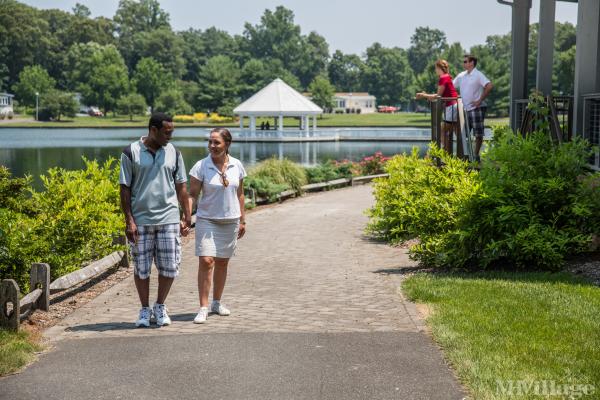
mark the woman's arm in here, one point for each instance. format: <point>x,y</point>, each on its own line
<point>195,189</point>
<point>431,97</point>
<point>242,200</point>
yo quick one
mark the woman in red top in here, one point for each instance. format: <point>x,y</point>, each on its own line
<point>446,90</point>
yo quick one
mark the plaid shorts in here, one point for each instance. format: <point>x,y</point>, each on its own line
<point>476,120</point>
<point>160,244</point>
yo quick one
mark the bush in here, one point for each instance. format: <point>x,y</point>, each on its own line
<point>264,187</point>
<point>282,172</point>
<point>73,222</point>
<point>532,205</point>
<point>373,165</point>
<point>323,172</point>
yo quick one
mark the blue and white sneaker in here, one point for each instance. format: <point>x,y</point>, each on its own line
<point>161,315</point>
<point>144,318</point>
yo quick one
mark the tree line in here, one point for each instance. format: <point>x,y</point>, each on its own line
<point>136,59</point>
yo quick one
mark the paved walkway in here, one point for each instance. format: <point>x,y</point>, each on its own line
<point>315,314</point>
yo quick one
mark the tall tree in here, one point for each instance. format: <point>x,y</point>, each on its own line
<point>426,45</point>
<point>131,104</point>
<point>150,79</point>
<point>219,82</point>
<point>345,71</point>
<point>388,75</point>
<point>163,46</point>
<point>322,91</point>
<point>32,80</point>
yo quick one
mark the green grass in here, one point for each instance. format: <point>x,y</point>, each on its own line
<point>17,349</point>
<point>327,120</point>
<point>501,327</point>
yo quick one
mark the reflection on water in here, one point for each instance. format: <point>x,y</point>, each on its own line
<point>33,151</point>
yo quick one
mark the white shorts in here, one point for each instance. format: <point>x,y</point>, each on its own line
<point>215,238</point>
<point>451,113</point>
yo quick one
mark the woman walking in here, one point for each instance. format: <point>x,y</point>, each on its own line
<point>445,89</point>
<point>219,218</point>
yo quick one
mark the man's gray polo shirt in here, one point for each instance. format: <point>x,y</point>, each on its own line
<point>152,178</point>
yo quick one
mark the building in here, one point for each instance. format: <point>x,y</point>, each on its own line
<point>6,105</point>
<point>354,103</point>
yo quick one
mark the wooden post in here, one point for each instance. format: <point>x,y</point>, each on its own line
<point>125,260</point>
<point>40,278</point>
<point>9,293</point>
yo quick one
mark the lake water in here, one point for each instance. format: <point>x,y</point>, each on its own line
<point>33,151</point>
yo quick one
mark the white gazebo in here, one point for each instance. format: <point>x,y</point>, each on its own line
<point>278,99</point>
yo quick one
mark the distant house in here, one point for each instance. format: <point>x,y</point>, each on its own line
<point>349,103</point>
<point>6,105</point>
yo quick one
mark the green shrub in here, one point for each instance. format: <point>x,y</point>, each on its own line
<point>73,222</point>
<point>264,187</point>
<point>419,199</point>
<point>323,172</point>
<point>282,172</point>
<point>532,205</point>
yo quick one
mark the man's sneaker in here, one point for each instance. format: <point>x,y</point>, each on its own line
<point>160,314</point>
<point>144,318</point>
<point>218,308</point>
<point>202,315</point>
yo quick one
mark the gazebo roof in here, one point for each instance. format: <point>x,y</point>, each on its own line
<point>278,98</point>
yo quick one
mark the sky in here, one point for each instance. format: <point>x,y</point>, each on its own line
<point>348,25</point>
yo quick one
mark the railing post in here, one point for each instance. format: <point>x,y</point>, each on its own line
<point>122,240</point>
<point>9,293</point>
<point>40,278</point>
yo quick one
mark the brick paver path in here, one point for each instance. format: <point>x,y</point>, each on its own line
<point>303,266</point>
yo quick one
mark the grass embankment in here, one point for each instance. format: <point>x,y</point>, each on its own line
<point>519,329</point>
<point>17,349</point>
<point>327,120</point>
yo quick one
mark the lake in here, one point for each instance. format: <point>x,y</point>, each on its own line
<point>33,150</point>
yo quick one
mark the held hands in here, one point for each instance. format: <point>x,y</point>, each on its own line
<point>185,227</point>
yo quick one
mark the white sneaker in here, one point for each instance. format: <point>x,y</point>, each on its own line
<point>202,315</point>
<point>161,315</point>
<point>144,318</point>
<point>218,308</point>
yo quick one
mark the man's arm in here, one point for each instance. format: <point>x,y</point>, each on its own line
<point>130,227</point>
<point>183,197</point>
<point>486,91</point>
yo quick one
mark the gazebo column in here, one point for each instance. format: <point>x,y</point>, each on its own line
<point>520,41</point>
<point>587,58</point>
<point>545,47</point>
<point>280,126</point>
<point>241,123</point>
<point>252,126</point>
<point>314,125</point>
<point>306,126</point>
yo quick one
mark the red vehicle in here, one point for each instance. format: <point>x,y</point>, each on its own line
<point>387,109</point>
<point>95,112</point>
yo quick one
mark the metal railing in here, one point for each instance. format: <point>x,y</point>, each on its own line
<point>562,107</point>
<point>451,118</point>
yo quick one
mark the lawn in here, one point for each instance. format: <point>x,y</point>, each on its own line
<point>512,335</point>
<point>327,120</point>
<point>17,349</point>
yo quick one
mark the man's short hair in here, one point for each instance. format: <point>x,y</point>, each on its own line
<point>471,58</point>
<point>157,119</point>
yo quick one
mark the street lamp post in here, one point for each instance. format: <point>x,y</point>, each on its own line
<point>37,95</point>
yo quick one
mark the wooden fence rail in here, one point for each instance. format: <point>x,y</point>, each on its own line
<point>14,309</point>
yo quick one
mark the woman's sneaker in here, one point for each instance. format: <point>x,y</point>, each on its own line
<point>218,308</point>
<point>144,318</point>
<point>161,315</point>
<point>202,315</point>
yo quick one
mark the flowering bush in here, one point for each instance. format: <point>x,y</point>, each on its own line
<point>214,117</point>
<point>187,119</point>
<point>374,164</point>
<point>199,116</point>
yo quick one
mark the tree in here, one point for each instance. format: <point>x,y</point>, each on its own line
<point>101,75</point>
<point>131,104</point>
<point>219,82</point>
<point>150,78</point>
<point>172,102</point>
<point>81,11</point>
<point>162,45</point>
<point>31,80</point>
<point>387,75</point>
<point>322,92</point>
<point>55,104</point>
<point>426,45</point>
<point>345,71</point>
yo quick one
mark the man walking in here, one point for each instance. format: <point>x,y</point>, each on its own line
<point>153,180</point>
<point>474,87</point>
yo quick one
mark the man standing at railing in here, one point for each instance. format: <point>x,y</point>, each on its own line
<point>153,181</point>
<point>474,87</point>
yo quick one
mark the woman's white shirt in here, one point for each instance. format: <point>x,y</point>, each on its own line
<point>217,201</point>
